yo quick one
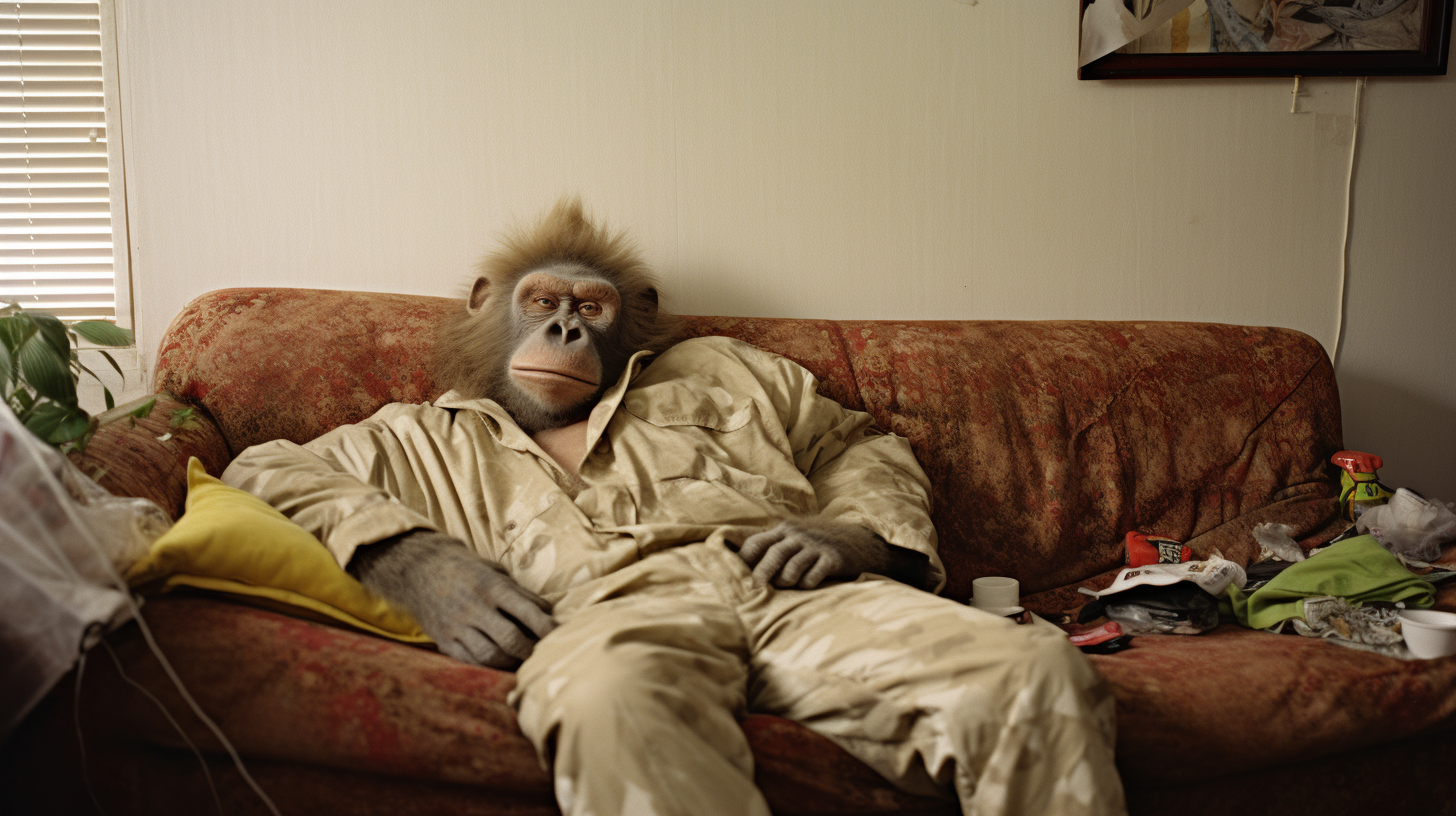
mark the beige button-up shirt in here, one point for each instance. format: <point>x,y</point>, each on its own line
<point>713,440</point>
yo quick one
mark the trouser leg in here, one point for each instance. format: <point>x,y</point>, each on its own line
<point>936,695</point>
<point>636,703</point>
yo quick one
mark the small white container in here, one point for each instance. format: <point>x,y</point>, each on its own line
<point>995,594</point>
<point>1428,632</point>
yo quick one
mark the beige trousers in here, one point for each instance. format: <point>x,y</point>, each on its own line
<point>635,698</point>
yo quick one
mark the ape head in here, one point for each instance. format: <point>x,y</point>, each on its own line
<point>552,319</point>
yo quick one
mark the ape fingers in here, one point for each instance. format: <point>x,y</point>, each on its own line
<point>529,611</point>
<point>805,570</point>
<point>510,615</point>
<point>771,565</point>
<point>470,646</point>
<point>825,564</point>
<point>805,552</point>
<point>507,636</point>
<point>759,543</point>
<point>491,636</point>
<point>788,555</point>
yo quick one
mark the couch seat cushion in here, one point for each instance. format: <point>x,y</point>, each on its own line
<point>295,691</point>
<point>1235,699</point>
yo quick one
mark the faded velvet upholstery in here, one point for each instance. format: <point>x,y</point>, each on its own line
<point>1045,441</point>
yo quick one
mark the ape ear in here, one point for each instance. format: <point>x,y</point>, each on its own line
<point>479,293</point>
<point>649,303</point>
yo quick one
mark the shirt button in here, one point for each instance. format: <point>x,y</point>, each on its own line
<point>511,525</point>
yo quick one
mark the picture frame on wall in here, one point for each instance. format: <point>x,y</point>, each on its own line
<point>1150,39</point>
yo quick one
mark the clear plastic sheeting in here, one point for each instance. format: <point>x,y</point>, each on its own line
<point>64,542</point>
<point>1410,526</point>
<point>1275,541</point>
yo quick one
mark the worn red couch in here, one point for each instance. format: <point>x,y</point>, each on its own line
<point>1046,442</point>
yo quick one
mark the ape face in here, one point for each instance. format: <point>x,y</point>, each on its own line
<point>552,321</point>
<point>563,317</point>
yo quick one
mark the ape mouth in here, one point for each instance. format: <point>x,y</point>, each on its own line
<point>550,375</point>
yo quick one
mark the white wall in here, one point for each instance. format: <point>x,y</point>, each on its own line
<point>1397,369</point>
<point>849,159</point>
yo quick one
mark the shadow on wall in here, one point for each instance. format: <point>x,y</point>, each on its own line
<point>1413,432</point>
<point>722,292</point>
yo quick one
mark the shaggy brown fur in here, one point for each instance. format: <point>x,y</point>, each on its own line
<point>475,347</point>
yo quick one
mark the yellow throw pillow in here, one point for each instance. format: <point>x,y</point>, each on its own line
<point>233,542</point>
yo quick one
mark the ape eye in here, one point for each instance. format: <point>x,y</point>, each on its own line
<point>546,302</point>
<point>589,309</point>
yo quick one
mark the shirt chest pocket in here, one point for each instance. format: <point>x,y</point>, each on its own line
<point>700,453</point>
<point>679,404</point>
<point>686,429</point>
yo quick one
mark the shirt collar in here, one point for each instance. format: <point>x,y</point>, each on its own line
<point>504,428</point>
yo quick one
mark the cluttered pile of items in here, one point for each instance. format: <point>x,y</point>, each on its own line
<point>1369,588</point>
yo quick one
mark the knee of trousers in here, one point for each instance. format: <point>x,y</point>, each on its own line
<point>1045,745</point>
<point>1044,681</point>
<point>631,686</point>
<point>1058,683</point>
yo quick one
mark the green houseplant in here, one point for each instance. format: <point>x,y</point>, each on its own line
<point>40,367</point>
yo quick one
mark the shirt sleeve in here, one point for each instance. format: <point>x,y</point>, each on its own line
<point>860,474</point>
<point>342,486</point>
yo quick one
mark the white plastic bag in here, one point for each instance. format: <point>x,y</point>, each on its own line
<point>1409,525</point>
<point>1214,575</point>
<point>1275,542</point>
<point>63,543</point>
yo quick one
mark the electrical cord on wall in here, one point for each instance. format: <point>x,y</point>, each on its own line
<point>1345,240</point>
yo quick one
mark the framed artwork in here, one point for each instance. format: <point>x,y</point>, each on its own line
<point>1131,39</point>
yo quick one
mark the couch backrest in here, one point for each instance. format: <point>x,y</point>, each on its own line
<point>1046,440</point>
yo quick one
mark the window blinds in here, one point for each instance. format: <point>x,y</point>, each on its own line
<point>55,204</point>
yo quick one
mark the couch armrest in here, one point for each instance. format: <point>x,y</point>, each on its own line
<point>136,457</point>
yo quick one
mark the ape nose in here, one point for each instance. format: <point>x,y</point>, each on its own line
<point>565,332</point>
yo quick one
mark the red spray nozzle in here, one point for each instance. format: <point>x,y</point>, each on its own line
<point>1357,462</point>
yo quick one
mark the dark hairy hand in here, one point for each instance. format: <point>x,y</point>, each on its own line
<point>474,612</point>
<point>804,552</point>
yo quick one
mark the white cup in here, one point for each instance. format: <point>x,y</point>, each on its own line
<point>1429,633</point>
<point>995,593</point>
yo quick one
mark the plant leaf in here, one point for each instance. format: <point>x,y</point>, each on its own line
<point>15,329</point>
<point>110,401</point>
<point>74,429</point>
<point>114,366</point>
<point>54,331</point>
<point>104,333</point>
<point>61,426</point>
<point>184,419</point>
<point>45,419</point>
<point>5,371</point>
<point>94,376</point>
<point>47,372</point>
<point>143,410</point>
<point>77,366</point>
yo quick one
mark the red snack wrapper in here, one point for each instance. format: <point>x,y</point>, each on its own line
<point>1092,637</point>
<point>1144,549</point>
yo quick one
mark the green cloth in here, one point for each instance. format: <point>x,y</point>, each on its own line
<point>1357,569</point>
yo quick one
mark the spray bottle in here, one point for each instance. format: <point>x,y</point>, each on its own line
<point>1360,490</point>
